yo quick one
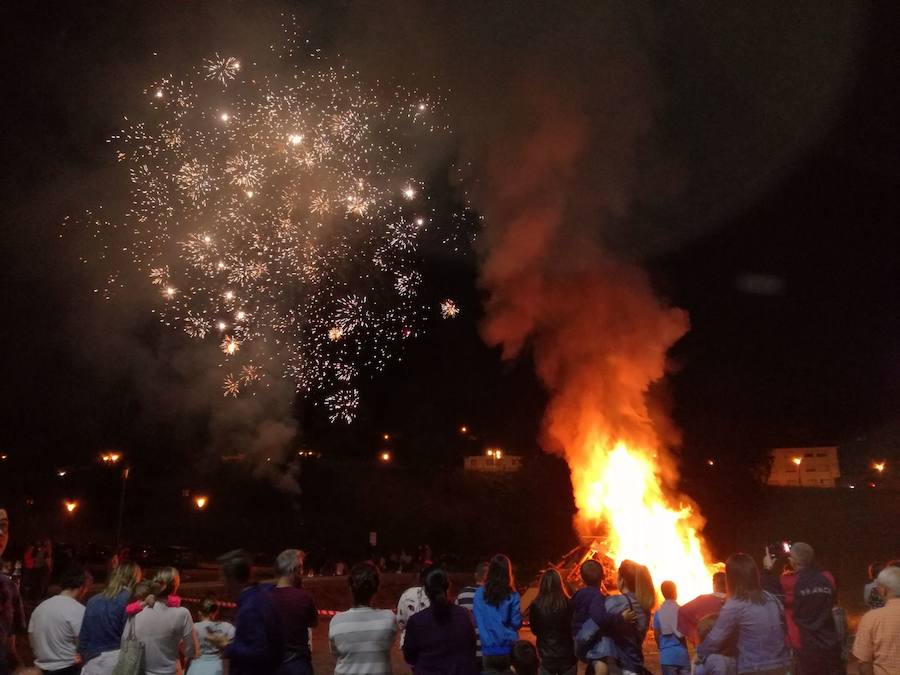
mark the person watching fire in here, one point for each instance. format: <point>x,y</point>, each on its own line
<point>808,594</point>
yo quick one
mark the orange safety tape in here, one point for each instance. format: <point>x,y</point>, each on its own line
<point>233,605</point>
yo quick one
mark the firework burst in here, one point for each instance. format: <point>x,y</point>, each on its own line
<point>449,309</point>
<point>276,210</point>
<point>221,69</point>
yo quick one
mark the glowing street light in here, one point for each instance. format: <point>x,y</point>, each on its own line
<point>464,429</point>
<point>797,462</point>
<point>386,437</point>
<point>70,506</point>
<point>711,462</point>
<point>385,457</point>
<point>200,501</point>
<point>110,457</point>
<point>879,466</point>
<point>61,473</point>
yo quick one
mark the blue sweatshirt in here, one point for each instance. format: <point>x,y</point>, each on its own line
<point>102,626</point>
<point>498,627</point>
<point>257,648</point>
<point>581,605</point>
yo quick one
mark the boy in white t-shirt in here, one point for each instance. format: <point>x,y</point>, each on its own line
<point>55,624</point>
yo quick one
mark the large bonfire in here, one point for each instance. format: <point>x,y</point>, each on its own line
<point>599,336</point>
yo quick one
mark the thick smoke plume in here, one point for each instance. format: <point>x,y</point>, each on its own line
<point>557,121</point>
<point>596,134</point>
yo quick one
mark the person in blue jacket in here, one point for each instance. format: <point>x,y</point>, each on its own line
<point>257,647</point>
<point>498,614</point>
<point>104,621</point>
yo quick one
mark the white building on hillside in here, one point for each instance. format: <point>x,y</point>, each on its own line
<point>804,467</point>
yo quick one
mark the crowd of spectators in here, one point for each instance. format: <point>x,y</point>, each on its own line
<point>753,622</point>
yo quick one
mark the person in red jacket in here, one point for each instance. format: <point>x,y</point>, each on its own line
<point>808,594</point>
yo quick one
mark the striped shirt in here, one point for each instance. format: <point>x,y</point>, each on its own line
<point>465,598</point>
<point>361,638</point>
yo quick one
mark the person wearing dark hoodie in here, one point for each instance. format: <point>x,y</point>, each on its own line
<point>497,610</point>
<point>592,575</point>
<point>258,646</point>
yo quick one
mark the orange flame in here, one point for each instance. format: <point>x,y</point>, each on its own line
<point>621,490</point>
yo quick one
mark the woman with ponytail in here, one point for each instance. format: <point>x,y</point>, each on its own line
<point>440,640</point>
<point>165,627</point>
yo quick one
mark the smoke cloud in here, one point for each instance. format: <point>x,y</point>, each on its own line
<point>594,136</point>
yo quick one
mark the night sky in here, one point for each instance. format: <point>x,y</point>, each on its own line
<point>780,239</point>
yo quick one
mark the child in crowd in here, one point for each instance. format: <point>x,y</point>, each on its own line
<point>524,658</point>
<point>142,596</point>
<point>673,654</point>
<point>210,660</point>
<point>592,575</point>
<point>714,664</point>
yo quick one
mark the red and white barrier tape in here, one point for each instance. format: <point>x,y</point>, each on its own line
<point>233,605</point>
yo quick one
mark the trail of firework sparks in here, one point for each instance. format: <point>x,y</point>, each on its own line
<point>279,215</point>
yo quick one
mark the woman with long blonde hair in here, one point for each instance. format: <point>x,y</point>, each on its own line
<point>166,628</point>
<point>104,621</point>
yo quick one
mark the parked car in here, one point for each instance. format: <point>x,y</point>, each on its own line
<point>182,557</point>
<point>97,554</point>
<point>142,555</point>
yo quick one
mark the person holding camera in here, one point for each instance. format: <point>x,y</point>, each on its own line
<point>808,594</point>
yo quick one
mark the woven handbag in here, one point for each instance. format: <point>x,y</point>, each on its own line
<point>131,657</point>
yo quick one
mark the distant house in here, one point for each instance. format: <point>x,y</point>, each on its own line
<point>493,463</point>
<point>804,467</point>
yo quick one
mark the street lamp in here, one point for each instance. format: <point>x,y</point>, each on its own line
<point>385,457</point>
<point>879,466</point>
<point>125,472</point>
<point>797,462</point>
<point>110,457</point>
<point>70,505</point>
<point>200,501</point>
<point>464,429</point>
